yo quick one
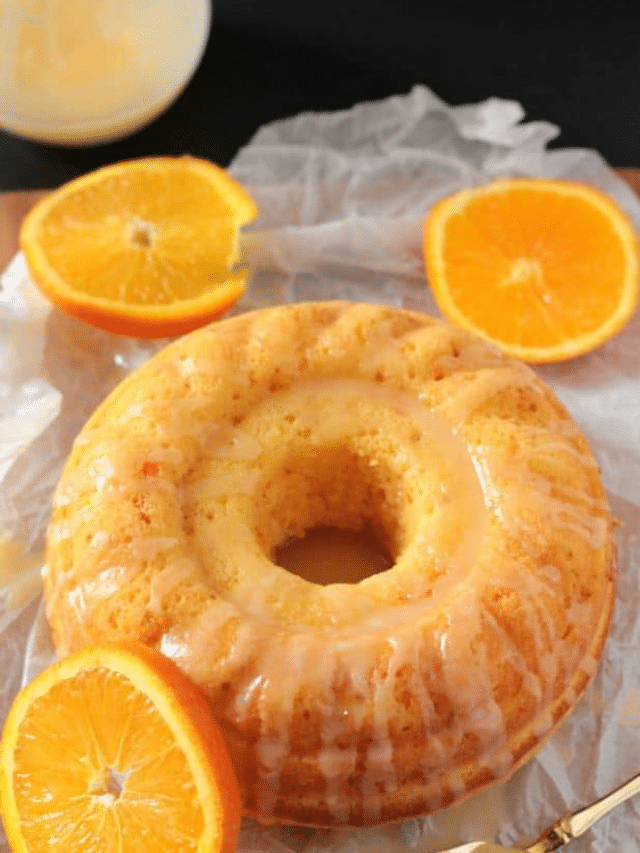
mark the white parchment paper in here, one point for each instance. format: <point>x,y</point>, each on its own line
<point>342,199</point>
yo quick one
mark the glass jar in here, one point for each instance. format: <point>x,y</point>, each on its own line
<point>81,72</point>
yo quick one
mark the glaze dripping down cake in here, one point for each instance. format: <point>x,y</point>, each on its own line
<point>344,703</point>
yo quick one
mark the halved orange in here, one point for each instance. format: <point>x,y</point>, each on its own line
<point>144,247</point>
<point>547,269</point>
<point>114,749</point>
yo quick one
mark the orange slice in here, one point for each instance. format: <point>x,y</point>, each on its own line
<point>548,270</point>
<point>144,247</point>
<point>114,749</point>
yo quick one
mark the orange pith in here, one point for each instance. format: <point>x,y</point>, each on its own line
<point>145,247</point>
<point>113,749</point>
<point>546,269</point>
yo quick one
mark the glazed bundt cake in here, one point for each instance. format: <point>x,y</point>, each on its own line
<point>343,703</point>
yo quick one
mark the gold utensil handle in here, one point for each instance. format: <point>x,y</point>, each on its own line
<point>573,825</point>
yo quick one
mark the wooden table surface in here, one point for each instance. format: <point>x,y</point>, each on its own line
<point>14,205</point>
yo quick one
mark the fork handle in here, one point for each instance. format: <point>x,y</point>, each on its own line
<point>573,825</point>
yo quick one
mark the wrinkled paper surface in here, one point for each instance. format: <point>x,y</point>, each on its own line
<point>342,199</point>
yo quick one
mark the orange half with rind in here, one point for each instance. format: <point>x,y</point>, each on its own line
<point>114,749</point>
<point>546,269</point>
<point>147,247</point>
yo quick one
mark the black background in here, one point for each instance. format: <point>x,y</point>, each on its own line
<point>574,64</point>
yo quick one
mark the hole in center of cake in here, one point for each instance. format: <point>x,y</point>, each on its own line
<point>331,515</point>
<point>327,555</point>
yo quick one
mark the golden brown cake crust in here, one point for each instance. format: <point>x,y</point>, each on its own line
<point>344,704</point>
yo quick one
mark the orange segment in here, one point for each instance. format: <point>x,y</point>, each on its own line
<point>114,749</point>
<point>145,247</point>
<point>546,269</point>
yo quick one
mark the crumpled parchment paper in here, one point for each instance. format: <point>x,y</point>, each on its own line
<point>342,199</point>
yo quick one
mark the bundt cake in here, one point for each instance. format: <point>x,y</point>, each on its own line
<point>343,703</point>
